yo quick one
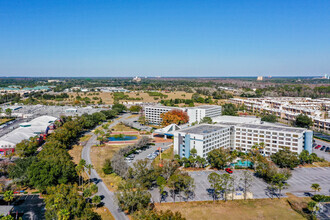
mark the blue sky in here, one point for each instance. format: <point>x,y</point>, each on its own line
<point>165,38</point>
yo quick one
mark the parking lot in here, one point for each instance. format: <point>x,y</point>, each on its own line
<point>299,184</point>
<point>322,153</point>
<point>32,207</point>
<point>144,153</point>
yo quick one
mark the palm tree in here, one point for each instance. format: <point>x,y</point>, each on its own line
<point>89,167</point>
<point>316,187</point>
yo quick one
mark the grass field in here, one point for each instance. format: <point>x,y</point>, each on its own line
<point>98,156</point>
<point>104,213</point>
<point>107,97</point>
<point>75,153</point>
<point>235,210</point>
<point>121,127</point>
<point>4,120</point>
<point>166,155</point>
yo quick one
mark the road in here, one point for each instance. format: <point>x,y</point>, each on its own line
<point>109,197</point>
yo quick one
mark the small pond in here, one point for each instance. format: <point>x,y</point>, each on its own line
<point>123,138</point>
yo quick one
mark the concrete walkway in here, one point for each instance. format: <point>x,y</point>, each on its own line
<point>109,199</point>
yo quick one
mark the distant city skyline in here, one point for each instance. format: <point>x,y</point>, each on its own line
<point>213,38</point>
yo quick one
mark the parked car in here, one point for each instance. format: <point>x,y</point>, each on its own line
<point>318,146</point>
<point>327,149</point>
<point>322,148</point>
<point>228,170</point>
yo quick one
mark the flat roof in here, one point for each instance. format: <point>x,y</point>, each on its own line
<point>206,106</point>
<point>266,127</point>
<point>203,129</point>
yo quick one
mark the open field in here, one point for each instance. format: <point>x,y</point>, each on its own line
<point>122,127</point>
<point>235,210</point>
<point>104,213</point>
<point>107,97</point>
<point>98,156</point>
<point>75,153</point>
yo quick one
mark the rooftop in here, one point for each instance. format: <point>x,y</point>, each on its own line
<point>206,106</point>
<point>203,129</point>
<point>266,127</point>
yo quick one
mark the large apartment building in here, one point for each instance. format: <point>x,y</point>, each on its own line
<point>288,108</point>
<point>203,138</point>
<point>152,113</point>
<point>241,137</point>
<point>196,114</point>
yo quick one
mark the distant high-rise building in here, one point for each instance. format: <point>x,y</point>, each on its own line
<point>137,79</point>
<point>260,78</point>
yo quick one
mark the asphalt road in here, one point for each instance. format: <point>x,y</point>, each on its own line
<point>109,199</point>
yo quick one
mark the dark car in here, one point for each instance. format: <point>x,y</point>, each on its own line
<point>327,149</point>
<point>228,170</point>
<point>322,148</point>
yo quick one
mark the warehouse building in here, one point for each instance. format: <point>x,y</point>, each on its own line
<point>37,126</point>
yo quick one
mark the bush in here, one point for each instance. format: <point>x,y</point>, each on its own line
<point>321,198</point>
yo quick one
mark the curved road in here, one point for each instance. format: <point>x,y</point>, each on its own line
<point>109,197</point>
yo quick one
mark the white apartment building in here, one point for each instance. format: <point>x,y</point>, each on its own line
<point>241,137</point>
<point>288,108</point>
<point>204,138</point>
<point>196,114</point>
<point>152,113</point>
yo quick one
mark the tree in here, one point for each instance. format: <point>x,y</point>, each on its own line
<point>107,168</point>
<point>214,180</point>
<point>206,120</point>
<point>285,158</point>
<point>193,152</point>
<point>8,196</point>
<point>52,166</point>
<point>181,182</point>
<point>63,214</point>
<point>96,200</point>
<point>229,109</point>
<point>66,197</point>
<point>19,171</point>
<point>247,182</point>
<point>313,207</point>
<point>119,108</point>
<point>161,182</point>
<point>269,118</point>
<point>219,158</point>
<point>315,187</point>
<point>225,183</point>
<point>174,116</point>
<point>279,180</point>
<point>8,112</point>
<point>89,168</point>
<point>135,108</point>
<point>303,121</point>
<point>131,198</point>
<point>27,147</point>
